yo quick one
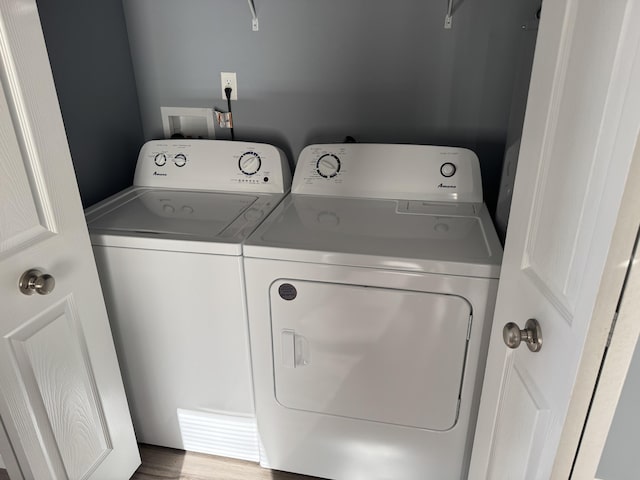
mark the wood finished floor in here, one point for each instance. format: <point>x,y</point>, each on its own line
<point>167,464</point>
<point>164,463</point>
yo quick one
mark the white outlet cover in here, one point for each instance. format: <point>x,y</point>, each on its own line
<point>229,79</point>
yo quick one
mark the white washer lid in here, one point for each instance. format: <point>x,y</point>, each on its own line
<point>194,221</point>
<point>451,238</point>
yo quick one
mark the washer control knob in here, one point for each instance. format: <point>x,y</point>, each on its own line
<point>249,163</point>
<point>328,165</point>
<point>160,159</point>
<point>180,160</point>
<point>448,169</point>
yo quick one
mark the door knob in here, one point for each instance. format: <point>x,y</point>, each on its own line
<point>34,281</point>
<point>531,335</point>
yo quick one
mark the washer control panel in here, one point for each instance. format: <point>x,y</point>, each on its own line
<point>213,165</point>
<point>411,172</point>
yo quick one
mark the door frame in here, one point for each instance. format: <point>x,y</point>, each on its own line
<point>587,454</point>
<point>587,424</point>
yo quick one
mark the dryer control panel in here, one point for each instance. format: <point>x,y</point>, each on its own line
<point>409,172</point>
<point>213,165</point>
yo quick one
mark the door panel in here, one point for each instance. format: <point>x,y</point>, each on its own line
<point>523,442</point>
<point>21,222</point>
<point>580,129</point>
<point>62,402</point>
<point>571,175</point>
<point>51,361</point>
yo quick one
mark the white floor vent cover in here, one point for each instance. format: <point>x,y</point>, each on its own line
<point>219,434</point>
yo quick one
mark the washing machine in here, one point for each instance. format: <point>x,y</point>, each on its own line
<point>169,256</point>
<point>370,291</point>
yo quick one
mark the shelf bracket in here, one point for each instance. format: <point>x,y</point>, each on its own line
<point>254,19</point>
<point>448,17</point>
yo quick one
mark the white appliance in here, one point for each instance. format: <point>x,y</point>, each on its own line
<point>168,251</point>
<point>370,292</point>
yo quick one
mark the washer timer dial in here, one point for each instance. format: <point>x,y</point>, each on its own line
<point>249,163</point>
<point>328,165</point>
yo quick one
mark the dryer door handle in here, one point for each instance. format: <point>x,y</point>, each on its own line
<point>295,349</point>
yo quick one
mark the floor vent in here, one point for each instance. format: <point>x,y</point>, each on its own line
<point>219,434</point>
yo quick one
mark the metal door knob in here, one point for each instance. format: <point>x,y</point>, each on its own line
<point>531,335</point>
<point>34,281</point>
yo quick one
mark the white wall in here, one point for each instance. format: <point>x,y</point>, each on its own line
<point>1,463</point>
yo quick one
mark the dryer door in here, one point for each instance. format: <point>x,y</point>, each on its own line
<point>392,356</point>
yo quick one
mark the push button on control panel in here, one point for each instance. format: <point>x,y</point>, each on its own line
<point>448,169</point>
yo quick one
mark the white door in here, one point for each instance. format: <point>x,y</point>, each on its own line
<point>62,402</point>
<point>582,121</point>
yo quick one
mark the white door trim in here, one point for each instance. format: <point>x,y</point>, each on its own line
<point>626,83</point>
<point>620,352</point>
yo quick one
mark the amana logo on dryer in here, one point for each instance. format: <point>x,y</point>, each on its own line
<point>159,174</point>
<point>442,185</point>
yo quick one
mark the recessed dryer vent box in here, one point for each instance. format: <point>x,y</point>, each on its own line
<point>185,122</point>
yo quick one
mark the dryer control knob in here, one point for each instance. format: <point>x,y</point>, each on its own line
<point>328,165</point>
<point>448,169</point>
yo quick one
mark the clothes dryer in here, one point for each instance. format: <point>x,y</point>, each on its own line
<point>370,290</point>
<point>169,256</point>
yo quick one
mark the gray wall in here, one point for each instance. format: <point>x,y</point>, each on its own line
<point>619,459</point>
<point>319,70</point>
<point>91,63</point>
